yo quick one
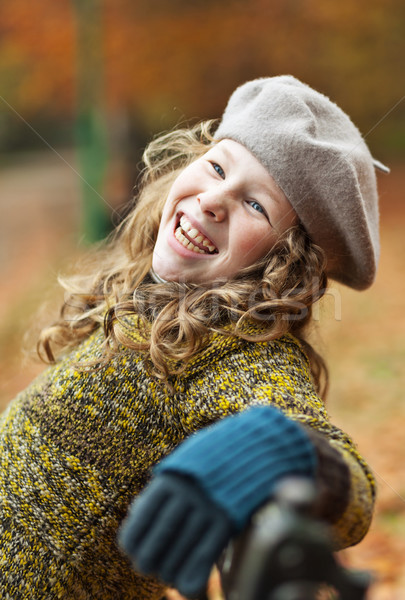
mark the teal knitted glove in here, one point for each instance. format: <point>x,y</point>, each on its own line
<point>175,532</point>
<point>207,489</point>
<point>239,460</point>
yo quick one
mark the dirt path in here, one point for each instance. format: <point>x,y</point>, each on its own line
<point>363,335</point>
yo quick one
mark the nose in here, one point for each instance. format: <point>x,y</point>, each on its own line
<point>214,203</point>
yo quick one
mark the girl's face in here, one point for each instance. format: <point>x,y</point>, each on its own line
<point>223,213</point>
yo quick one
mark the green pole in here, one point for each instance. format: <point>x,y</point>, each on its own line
<point>90,126</point>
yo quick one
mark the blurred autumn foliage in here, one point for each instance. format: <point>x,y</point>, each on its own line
<point>161,61</point>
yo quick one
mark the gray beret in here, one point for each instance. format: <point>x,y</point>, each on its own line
<point>319,159</point>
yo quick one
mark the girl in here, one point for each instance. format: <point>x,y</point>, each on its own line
<point>193,317</point>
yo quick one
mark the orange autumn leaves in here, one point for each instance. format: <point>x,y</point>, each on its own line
<point>165,60</point>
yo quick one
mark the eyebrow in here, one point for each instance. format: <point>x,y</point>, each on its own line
<point>276,192</point>
<point>227,153</point>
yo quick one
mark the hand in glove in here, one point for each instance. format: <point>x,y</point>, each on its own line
<point>175,531</point>
<point>207,489</point>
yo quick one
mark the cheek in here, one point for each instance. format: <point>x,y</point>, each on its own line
<point>253,244</point>
<point>175,194</point>
<point>186,183</point>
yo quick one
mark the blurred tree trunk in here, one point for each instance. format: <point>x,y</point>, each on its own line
<point>91,131</point>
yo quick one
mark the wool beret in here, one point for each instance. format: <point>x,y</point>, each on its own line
<point>319,159</point>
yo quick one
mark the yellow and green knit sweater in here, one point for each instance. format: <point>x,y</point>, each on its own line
<point>79,443</point>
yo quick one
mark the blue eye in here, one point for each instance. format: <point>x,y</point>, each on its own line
<point>218,169</point>
<point>256,206</point>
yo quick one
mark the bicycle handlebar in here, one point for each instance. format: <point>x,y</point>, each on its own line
<point>287,554</point>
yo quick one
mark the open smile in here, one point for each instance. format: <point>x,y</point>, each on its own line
<point>192,239</point>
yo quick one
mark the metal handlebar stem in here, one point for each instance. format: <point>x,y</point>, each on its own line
<point>287,555</point>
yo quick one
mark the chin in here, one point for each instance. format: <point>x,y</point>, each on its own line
<point>163,272</point>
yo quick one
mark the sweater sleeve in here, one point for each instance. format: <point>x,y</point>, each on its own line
<point>345,484</point>
<point>278,373</point>
<point>332,480</point>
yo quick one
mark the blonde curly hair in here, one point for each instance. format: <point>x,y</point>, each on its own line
<point>175,319</point>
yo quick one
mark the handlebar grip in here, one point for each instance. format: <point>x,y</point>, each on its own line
<point>286,554</point>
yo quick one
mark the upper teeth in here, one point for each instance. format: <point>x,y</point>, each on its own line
<point>194,234</point>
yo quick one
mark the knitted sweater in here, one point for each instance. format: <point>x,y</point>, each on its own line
<point>79,443</point>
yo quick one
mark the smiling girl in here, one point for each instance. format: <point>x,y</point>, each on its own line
<point>226,208</point>
<point>181,347</point>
